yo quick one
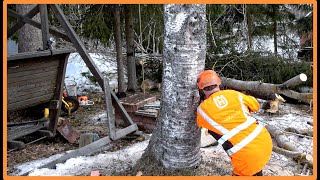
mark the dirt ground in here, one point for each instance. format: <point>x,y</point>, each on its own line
<point>85,119</point>
<point>92,119</point>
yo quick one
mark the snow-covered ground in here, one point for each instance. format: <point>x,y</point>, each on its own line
<point>214,157</point>
<point>77,72</point>
<point>106,162</point>
<point>110,162</point>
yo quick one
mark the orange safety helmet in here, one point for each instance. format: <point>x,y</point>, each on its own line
<point>208,78</point>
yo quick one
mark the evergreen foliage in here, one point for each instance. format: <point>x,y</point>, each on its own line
<point>256,67</point>
<point>11,21</point>
<point>98,23</point>
<point>227,50</point>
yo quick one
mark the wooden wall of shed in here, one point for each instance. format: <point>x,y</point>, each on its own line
<point>32,81</point>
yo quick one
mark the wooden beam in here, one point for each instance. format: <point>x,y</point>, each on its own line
<point>34,11</point>
<point>55,113</point>
<point>86,150</point>
<point>89,149</point>
<point>123,111</point>
<point>18,132</point>
<point>109,108</point>
<point>86,57</point>
<point>37,25</point>
<point>77,43</point>
<point>44,25</point>
<point>27,55</point>
<point>29,102</point>
<point>123,132</point>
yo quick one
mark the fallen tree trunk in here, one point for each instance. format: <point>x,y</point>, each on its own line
<point>306,132</point>
<point>281,139</point>
<point>264,90</point>
<point>286,148</point>
<point>295,81</point>
<point>298,156</point>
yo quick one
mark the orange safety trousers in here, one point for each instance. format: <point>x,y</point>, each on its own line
<point>227,113</point>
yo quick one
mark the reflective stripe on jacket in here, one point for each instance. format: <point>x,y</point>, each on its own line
<point>227,113</point>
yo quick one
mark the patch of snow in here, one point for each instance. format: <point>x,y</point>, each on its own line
<point>108,162</point>
<point>101,117</point>
<point>28,166</point>
<point>77,71</point>
<point>215,159</point>
<point>12,47</point>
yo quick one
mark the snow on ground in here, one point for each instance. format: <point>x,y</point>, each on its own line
<point>110,162</point>
<point>77,71</point>
<point>106,162</point>
<point>215,158</point>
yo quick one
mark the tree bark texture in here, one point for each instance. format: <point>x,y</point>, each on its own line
<point>131,65</point>
<point>29,37</point>
<point>117,38</point>
<point>264,90</point>
<point>286,148</point>
<point>175,142</point>
<point>275,28</point>
<point>249,26</point>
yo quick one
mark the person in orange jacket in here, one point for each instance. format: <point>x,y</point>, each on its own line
<point>227,116</point>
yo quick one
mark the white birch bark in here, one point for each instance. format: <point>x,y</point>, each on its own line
<point>176,139</point>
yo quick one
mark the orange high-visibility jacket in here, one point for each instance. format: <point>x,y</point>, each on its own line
<point>227,114</point>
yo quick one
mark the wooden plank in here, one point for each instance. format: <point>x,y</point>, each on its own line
<point>44,25</point>
<point>85,56</point>
<point>36,24</point>
<point>86,150</point>
<point>29,102</point>
<point>14,134</point>
<point>46,54</point>
<point>109,108</point>
<point>16,91</point>
<point>29,95</point>
<point>30,66</point>
<point>123,132</point>
<point>77,43</point>
<point>123,111</point>
<point>146,114</point>
<point>152,105</point>
<point>35,71</point>
<point>87,59</point>
<point>24,83</point>
<point>55,113</point>
<point>34,11</point>
<point>31,77</point>
<point>9,125</point>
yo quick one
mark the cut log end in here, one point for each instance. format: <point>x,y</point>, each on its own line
<point>303,77</point>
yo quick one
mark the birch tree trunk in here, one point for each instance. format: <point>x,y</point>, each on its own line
<point>117,38</point>
<point>29,37</point>
<point>175,142</point>
<point>131,65</point>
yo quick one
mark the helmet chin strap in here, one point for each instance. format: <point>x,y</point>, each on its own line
<point>208,93</point>
<point>205,94</point>
<point>202,95</point>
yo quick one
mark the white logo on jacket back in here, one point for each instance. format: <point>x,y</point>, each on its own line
<point>220,101</point>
